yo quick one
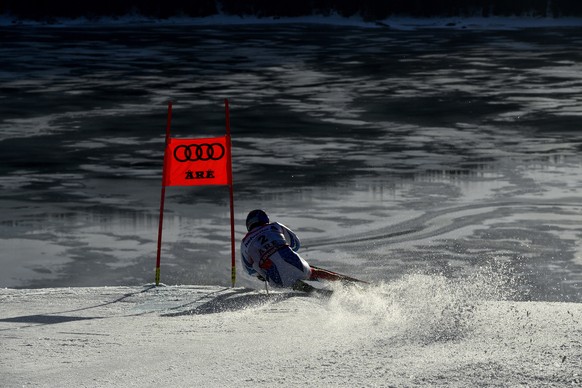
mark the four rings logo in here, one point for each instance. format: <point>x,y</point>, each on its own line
<point>199,152</point>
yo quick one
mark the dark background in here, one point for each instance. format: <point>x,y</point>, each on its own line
<point>367,9</point>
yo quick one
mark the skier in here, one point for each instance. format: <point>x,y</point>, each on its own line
<point>269,252</point>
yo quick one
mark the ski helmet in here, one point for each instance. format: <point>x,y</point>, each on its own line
<point>256,218</point>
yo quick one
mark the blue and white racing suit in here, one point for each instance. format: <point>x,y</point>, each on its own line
<point>269,251</point>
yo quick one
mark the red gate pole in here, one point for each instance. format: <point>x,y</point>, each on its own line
<point>163,195</point>
<point>231,189</point>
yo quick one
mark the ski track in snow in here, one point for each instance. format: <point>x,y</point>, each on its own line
<point>401,147</point>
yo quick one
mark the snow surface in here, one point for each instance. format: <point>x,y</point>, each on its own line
<point>421,330</point>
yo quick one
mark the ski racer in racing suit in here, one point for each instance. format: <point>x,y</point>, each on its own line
<point>269,252</point>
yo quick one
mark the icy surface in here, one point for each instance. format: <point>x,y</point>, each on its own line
<point>388,151</point>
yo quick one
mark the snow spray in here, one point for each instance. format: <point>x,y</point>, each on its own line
<point>418,307</point>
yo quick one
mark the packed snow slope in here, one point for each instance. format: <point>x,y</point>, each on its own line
<point>421,330</point>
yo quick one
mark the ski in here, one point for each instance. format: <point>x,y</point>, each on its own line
<point>318,273</point>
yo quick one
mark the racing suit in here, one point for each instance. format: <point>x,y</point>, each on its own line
<point>269,251</point>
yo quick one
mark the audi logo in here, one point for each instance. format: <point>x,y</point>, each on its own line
<point>202,152</point>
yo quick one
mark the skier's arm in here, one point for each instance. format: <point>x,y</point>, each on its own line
<point>291,238</point>
<point>248,265</point>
